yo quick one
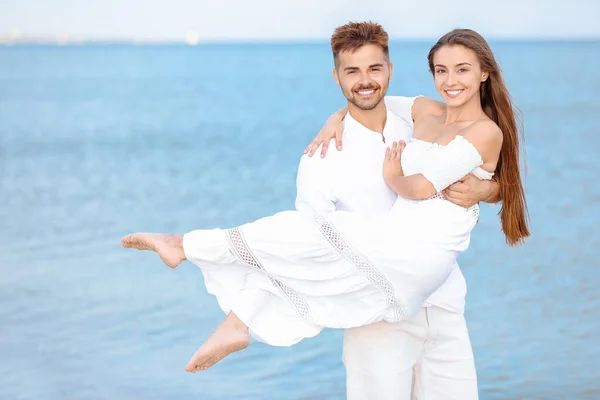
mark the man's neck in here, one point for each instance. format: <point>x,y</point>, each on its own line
<point>374,119</point>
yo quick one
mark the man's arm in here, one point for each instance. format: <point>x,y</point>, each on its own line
<point>470,191</point>
<point>490,192</point>
<point>401,106</point>
<point>314,185</point>
<point>411,109</point>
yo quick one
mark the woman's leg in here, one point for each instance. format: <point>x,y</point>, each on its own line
<point>230,336</point>
<point>346,271</point>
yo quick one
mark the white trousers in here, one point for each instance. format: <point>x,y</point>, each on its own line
<point>427,357</point>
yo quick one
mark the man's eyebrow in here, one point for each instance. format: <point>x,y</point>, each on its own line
<point>370,66</point>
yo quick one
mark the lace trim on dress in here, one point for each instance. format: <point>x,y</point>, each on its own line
<point>241,250</point>
<point>474,209</point>
<point>362,264</point>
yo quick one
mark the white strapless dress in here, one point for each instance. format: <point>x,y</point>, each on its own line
<point>290,275</point>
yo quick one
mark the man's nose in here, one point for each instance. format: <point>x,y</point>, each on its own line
<point>365,79</point>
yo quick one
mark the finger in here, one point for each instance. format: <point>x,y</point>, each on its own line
<point>398,152</point>
<point>401,145</point>
<point>311,148</point>
<point>458,187</point>
<point>467,178</point>
<point>324,149</point>
<point>387,153</point>
<point>449,195</point>
<point>338,138</point>
<point>457,198</point>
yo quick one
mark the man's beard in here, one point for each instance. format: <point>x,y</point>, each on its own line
<point>365,105</point>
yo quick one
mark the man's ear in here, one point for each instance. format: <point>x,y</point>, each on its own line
<point>335,76</point>
<point>391,70</point>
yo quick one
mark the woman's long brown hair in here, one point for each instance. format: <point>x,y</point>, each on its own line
<point>496,103</point>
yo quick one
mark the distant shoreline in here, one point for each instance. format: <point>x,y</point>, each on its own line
<point>48,42</point>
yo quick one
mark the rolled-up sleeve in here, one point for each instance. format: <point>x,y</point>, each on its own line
<point>401,106</point>
<point>314,184</point>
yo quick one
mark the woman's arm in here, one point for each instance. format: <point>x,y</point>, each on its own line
<point>415,187</point>
<point>479,145</point>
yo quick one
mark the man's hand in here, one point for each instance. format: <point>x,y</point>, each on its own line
<point>469,191</point>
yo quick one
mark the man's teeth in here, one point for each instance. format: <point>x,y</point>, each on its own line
<point>364,92</point>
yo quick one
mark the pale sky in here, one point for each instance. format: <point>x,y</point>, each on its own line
<point>306,19</point>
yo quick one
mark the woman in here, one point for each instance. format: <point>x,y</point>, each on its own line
<point>288,276</point>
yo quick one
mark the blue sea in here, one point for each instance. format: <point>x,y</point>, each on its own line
<point>100,140</point>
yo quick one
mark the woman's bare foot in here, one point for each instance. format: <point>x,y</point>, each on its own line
<point>229,337</point>
<point>168,247</point>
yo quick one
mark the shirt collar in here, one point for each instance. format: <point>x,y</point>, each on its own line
<point>350,122</point>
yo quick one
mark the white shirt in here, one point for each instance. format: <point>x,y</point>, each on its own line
<point>352,180</point>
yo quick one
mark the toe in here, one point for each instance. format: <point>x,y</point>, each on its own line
<point>125,241</point>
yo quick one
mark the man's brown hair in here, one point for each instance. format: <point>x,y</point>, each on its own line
<point>354,35</point>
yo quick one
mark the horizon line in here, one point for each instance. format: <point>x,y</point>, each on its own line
<point>63,40</point>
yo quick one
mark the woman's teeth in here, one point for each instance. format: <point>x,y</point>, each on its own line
<point>453,93</point>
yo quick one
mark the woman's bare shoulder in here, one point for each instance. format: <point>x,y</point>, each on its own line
<point>483,130</point>
<point>486,136</point>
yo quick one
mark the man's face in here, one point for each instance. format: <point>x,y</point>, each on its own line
<point>363,75</point>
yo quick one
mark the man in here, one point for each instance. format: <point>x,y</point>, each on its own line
<point>428,356</point>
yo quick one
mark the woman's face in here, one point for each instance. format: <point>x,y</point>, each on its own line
<point>457,74</point>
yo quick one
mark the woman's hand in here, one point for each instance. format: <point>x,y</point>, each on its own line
<point>331,129</point>
<point>392,166</point>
